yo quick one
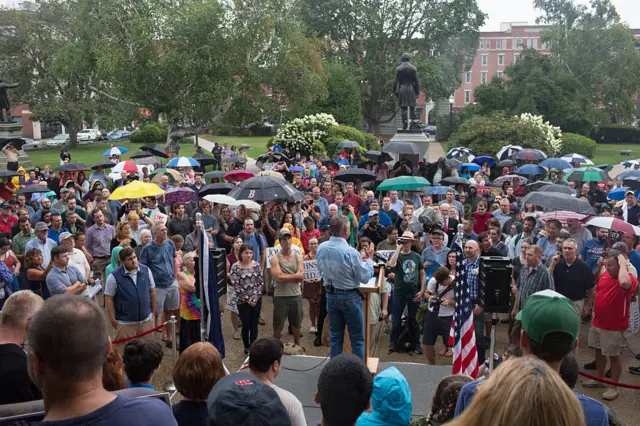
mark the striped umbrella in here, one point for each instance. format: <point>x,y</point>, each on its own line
<point>183,162</point>
<point>531,155</point>
<point>587,174</point>
<point>577,158</point>
<point>562,216</point>
<point>458,152</point>
<point>508,151</point>
<point>116,150</point>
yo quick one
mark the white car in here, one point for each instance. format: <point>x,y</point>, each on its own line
<point>88,134</point>
<point>58,141</point>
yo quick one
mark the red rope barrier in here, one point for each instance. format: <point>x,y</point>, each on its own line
<point>609,382</point>
<point>144,333</point>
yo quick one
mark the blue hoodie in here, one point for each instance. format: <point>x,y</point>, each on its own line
<point>390,400</point>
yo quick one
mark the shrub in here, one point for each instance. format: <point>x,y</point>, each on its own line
<point>318,149</point>
<point>572,142</point>
<point>300,134</point>
<point>371,142</point>
<point>552,134</point>
<point>150,133</point>
<point>187,140</point>
<point>617,133</point>
<point>345,133</point>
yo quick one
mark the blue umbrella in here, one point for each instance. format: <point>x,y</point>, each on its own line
<point>530,170</point>
<point>439,190</point>
<point>480,160</point>
<point>471,167</point>
<point>296,168</point>
<point>618,193</point>
<point>116,150</point>
<point>556,163</point>
<point>628,174</point>
<point>183,162</point>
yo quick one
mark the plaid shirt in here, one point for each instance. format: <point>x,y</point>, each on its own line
<point>528,283</point>
<point>473,271</point>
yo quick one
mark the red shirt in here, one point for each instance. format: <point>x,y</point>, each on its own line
<point>5,194</point>
<point>481,222</point>
<point>611,306</point>
<point>5,226</point>
<point>305,236</point>
<point>353,200</point>
<point>328,197</point>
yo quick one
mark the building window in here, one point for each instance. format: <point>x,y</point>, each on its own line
<point>481,43</point>
<point>515,58</point>
<point>500,59</point>
<point>500,74</point>
<point>546,45</point>
<point>519,43</point>
<point>483,77</point>
<point>467,77</point>
<point>485,59</point>
<point>532,43</point>
<point>467,96</point>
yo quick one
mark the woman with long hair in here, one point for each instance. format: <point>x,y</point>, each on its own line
<point>312,289</point>
<point>113,378</point>
<point>523,391</point>
<point>37,274</point>
<point>288,219</point>
<point>189,303</point>
<point>9,258</point>
<point>123,236</point>
<point>232,259</point>
<point>248,281</point>
<point>82,186</point>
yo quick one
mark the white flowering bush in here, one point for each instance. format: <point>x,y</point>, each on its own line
<point>300,134</point>
<point>552,135</point>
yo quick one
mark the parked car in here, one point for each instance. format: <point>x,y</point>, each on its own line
<point>30,144</point>
<point>430,130</point>
<point>88,134</point>
<point>58,141</point>
<point>118,135</point>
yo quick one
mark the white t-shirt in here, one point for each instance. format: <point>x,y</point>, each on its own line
<point>79,261</point>
<point>292,405</point>
<point>445,311</point>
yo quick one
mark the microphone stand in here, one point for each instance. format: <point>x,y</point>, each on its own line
<point>200,226</point>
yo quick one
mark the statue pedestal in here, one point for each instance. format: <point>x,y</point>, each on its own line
<point>416,136</point>
<point>13,130</point>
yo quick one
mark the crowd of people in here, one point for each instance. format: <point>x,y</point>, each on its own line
<point>61,244</point>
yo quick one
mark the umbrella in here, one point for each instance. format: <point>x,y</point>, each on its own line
<point>611,224</point>
<point>216,188</point>
<point>277,156</point>
<point>126,166</point>
<point>157,174</point>
<point>510,178</point>
<point>439,190</point>
<point>530,154</point>
<point>16,142</point>
<point>147,161</point>
<point>216,174</point>
<point>250,205</point>
<point>632,182</point>
<point>33,189</point>
<point>471,167</point>
<point>617,194</point>
<point>576,158</point>
<point>402,148</point>
<point>72,167</point>
<point>179,195</point>
<point>452,163</point>
<point>105,164</point>
<point>266,189</point>
<point>377,156</point>
<point>628,174</point>
<point>238,175</point>
<point>136,189</point>
<point>506,163</point>
<point>403,183</point>
<point>116,150</point>
<point>7,173</point>
<point>535,186</point>
<point>155,149</point>
<point>551,201</point>
<point>458,152</point>
<point>296,168</point>
<point>453,181</point>
<point>587,174</point>
<point>204,159</point>
<point>353,175</point>
<point>141,154</point>
<point>271,173</point>
<point>562,189</point>
<point>183,162</point>
<point>482,159</point>
<point>508,151</point>
<point>630,163</point>
<point>233,160</point>
<point>348,144</point>
<point>555,163</point>
<point>530,170</point>
<point>221,199</point>
<point>562,216</point>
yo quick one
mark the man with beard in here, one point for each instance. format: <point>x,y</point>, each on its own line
<point>45,207</point>
<point>372,228</point>
<point>594,248</point>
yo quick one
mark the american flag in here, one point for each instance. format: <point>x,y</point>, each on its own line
<point>462,336</point>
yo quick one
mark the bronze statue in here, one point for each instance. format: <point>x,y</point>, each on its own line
<point>407,89</point>
<point>5,107</point>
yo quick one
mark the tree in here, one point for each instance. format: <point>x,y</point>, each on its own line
<point>344,99</point>
<point>371,36</point>
<point>598,50</point>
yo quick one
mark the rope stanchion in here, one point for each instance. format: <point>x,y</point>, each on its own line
<point>137,336</point>
<point>609,382</point>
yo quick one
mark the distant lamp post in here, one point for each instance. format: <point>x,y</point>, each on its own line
<point>451,115</point>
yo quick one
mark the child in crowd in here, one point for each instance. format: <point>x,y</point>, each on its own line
<point>141,358</point>
<point>444,402</point>
<point>511,351</point>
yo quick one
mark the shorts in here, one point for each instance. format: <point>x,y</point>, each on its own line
<point>608,341</point>
<point>435,326</point>
<point>287,307</point>
<point>167,299</point>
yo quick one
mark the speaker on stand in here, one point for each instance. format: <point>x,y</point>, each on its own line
<point>218,260</point>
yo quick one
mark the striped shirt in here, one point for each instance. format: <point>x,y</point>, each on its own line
<point>533,281</point>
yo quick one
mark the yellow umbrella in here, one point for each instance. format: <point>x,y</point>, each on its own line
<point>136,189</point>
<point>271,173</point>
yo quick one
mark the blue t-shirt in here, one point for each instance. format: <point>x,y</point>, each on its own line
<point>594,412</point>
<point>124,411</point>
<point>634,258</point>
<point>591,252</point>
<point>159,259</point>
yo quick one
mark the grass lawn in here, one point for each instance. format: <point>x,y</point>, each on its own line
<point>610,153</point>
<point>90,154</point>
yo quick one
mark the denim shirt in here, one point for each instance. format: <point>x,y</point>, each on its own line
<point>341,266</point>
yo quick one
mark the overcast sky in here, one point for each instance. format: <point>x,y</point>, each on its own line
<point>522,11</point>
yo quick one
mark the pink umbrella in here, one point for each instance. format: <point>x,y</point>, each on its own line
<point>612,224</point>
<point>562,216</point>
<point>238,176</point>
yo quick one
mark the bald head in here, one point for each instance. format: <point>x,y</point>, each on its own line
<point>471,249</point>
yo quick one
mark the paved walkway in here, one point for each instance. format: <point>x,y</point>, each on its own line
<point>435,151</point>
<point>208,146</point>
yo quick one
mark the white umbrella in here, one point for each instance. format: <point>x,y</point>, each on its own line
<point>508,151</point>
<point>117,169</point>
<point>251,205</point>
<point>221,199</point>
<point>576,158</point>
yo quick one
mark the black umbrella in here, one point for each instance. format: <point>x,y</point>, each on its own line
<point>233,160</point>
<point>561,189</point>
<point>277,156</point>
<point>105,164</point>
<point>16,142</point>
<point>204,159</point>
<point>7,173</point>
<point>535,186</point>
<point>155,149</point>
<point>506,163</point>
<point>553,201</point>
<point>216,174</point>
<point>266,189</point>
<point>348,144</point>
<point>452,163</point>
<point>216,188</point>
<point>330,164</point>
<point>377,156</point>
<point>402,148</point>
<point>72,167</point>
<point>353,175</point>
<point>632,182</point>
<point>33,189</point>
<point>141,154</point>
<point>452,180</point>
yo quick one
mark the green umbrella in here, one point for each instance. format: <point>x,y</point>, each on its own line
<point>606,167</point>
<point>403,183</point>
<point>587,174</point>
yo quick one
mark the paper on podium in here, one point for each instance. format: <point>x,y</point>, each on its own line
<point>91,291</point>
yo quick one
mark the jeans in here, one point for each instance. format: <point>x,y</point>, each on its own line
<point>345,308</point>
<point>478,326</point>
<point>399,301</point>
<point>323,313</point>
<point>249,316</point>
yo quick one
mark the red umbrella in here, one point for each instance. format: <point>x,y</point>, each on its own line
<point>130,166</point>
<point>612,224</point>
<point>238,176</point>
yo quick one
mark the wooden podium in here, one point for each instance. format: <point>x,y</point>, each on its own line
<point>372,286</point>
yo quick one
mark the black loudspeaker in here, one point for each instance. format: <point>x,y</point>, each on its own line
<point>494,283</point>
<point>218,261</point>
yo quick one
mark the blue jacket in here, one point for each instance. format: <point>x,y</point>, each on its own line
<point>390,401</point>
<point>132,302</point>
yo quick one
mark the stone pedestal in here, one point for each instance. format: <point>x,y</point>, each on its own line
<point>416,136</point>
<point>12,130</point>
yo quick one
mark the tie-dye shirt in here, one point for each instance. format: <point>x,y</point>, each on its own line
<point>189,303</point>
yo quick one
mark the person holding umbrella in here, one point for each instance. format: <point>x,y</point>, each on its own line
<point>11,153</point>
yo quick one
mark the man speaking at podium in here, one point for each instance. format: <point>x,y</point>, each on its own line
<point>342,271</point>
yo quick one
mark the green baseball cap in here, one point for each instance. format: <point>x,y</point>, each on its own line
<point>549,312</point>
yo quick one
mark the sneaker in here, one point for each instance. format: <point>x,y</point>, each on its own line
<point>590,366</point>
<point>317,341</point>
<point>418,350</point>
<point>236,335</point>
<point>610,394</point>
<point>593,384</point>
<point>634,370</point>
<point>312,330</point>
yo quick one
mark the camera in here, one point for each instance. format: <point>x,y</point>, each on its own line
<point>434,304</point>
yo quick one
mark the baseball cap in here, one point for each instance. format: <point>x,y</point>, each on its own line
<point>374,213</point>
<point>284,232</point>
<point>241,399</point>
<point>5,206</point>
<point>64,190</point>
<point>41,226</point>
<point>549,312</point>
<point>629,191</point>
<point>65,236</point>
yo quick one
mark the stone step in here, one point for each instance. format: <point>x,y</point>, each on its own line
<point>23,159</point>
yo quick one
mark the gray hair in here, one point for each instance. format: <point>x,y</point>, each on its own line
<point>188,257</point>
<point>144,233</point>
<point>156,224</point>
<point>621,247</point>
<point>338,226</point>
<point>19,308</point>
<point>571,241</point>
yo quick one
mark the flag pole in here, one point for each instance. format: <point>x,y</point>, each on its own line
<point>201,238</point>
